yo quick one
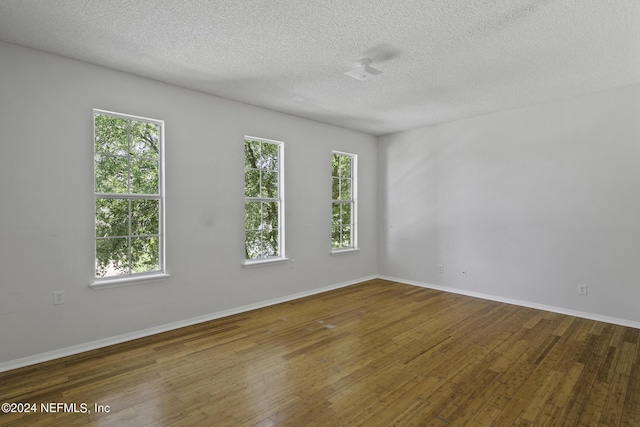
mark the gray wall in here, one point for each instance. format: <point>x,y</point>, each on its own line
<point>46,204</point>
<point>532,202</point>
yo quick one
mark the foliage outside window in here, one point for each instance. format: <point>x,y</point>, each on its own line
<point>263,206</point>
<point>128,195</point>
<point>343,203</point>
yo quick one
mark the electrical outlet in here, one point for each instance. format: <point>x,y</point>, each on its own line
<point>464,272</point>
<point>582,289</point>
<point>58,297</point>
<point>292,263</point>
<point>440,268</point>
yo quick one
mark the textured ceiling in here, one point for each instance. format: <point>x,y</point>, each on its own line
<point>442,60</point>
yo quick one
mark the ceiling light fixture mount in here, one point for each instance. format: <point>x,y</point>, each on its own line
<point>364,71</point>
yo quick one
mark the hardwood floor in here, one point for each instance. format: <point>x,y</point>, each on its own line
<point>377,354</point>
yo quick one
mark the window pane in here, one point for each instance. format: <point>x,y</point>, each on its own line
<point>335,237</point>
<point>112,257</point>
<point>264,248</point>
<point>271,243</point>
<point>346,237</point>
<point>251,154</point>
<point>112,174</point>
<point>144,139</point>
<point>269,215</point>
<point>335,189</point>
<point>269,185</point>
<point>144,176</point>
<point>145,254</point>
<point>253,244</point>
<point>345,166</point>
<point>345,189</point>
<point>345,214</point>
<point>335,214</point>
<point>252,183</point>
<point>112,217</point>
<point>252,216</point>
<point>110,135</point>
<point>335,162</point>
<point>145,217</point>
<point>261,244</point>
<point>269,156</point>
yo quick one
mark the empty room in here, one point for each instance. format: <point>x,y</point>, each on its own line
<point>264,213</point>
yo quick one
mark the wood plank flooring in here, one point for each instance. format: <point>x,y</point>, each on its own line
<point>377,354</point>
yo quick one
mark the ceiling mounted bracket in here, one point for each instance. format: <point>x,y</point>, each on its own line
<point>364,71</point>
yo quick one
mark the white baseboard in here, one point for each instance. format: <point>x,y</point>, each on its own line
<point>92,345</point>
<point>544,307</point>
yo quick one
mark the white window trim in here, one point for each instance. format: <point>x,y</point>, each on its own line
<point>119,281</point>
<point>344,251</point>
<point>264,262</point>
<point>354,213</point>
<point>146,277</point>
<point>250,263</point>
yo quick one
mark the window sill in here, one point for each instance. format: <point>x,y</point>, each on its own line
<point>263,262</point>
<point>339,252</point>
<point>127,281</point>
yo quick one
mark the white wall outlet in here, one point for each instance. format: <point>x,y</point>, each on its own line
<point>440,268</point>
<point>58,297</point>
<point>292,263</point>
<point>582,289</point>
<point>464,272</point>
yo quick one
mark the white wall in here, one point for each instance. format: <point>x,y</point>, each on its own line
<point>46,204</point>
<point>531,201</point>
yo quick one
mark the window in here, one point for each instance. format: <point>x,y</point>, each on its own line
<point>129,200</point>
<point>264,200</point>
<point>343,203</point>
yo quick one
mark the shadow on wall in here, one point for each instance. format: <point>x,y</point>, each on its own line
<point>465,195</point>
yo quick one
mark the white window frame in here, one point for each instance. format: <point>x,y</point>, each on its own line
<point>248,263</point>
<point>353,201</point>
<point>143,277</point>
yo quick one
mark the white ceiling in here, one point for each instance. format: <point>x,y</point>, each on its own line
<point>442,59</point>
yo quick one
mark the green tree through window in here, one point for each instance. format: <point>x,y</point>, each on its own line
<point>128,194</point>
<point>263,198</point>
